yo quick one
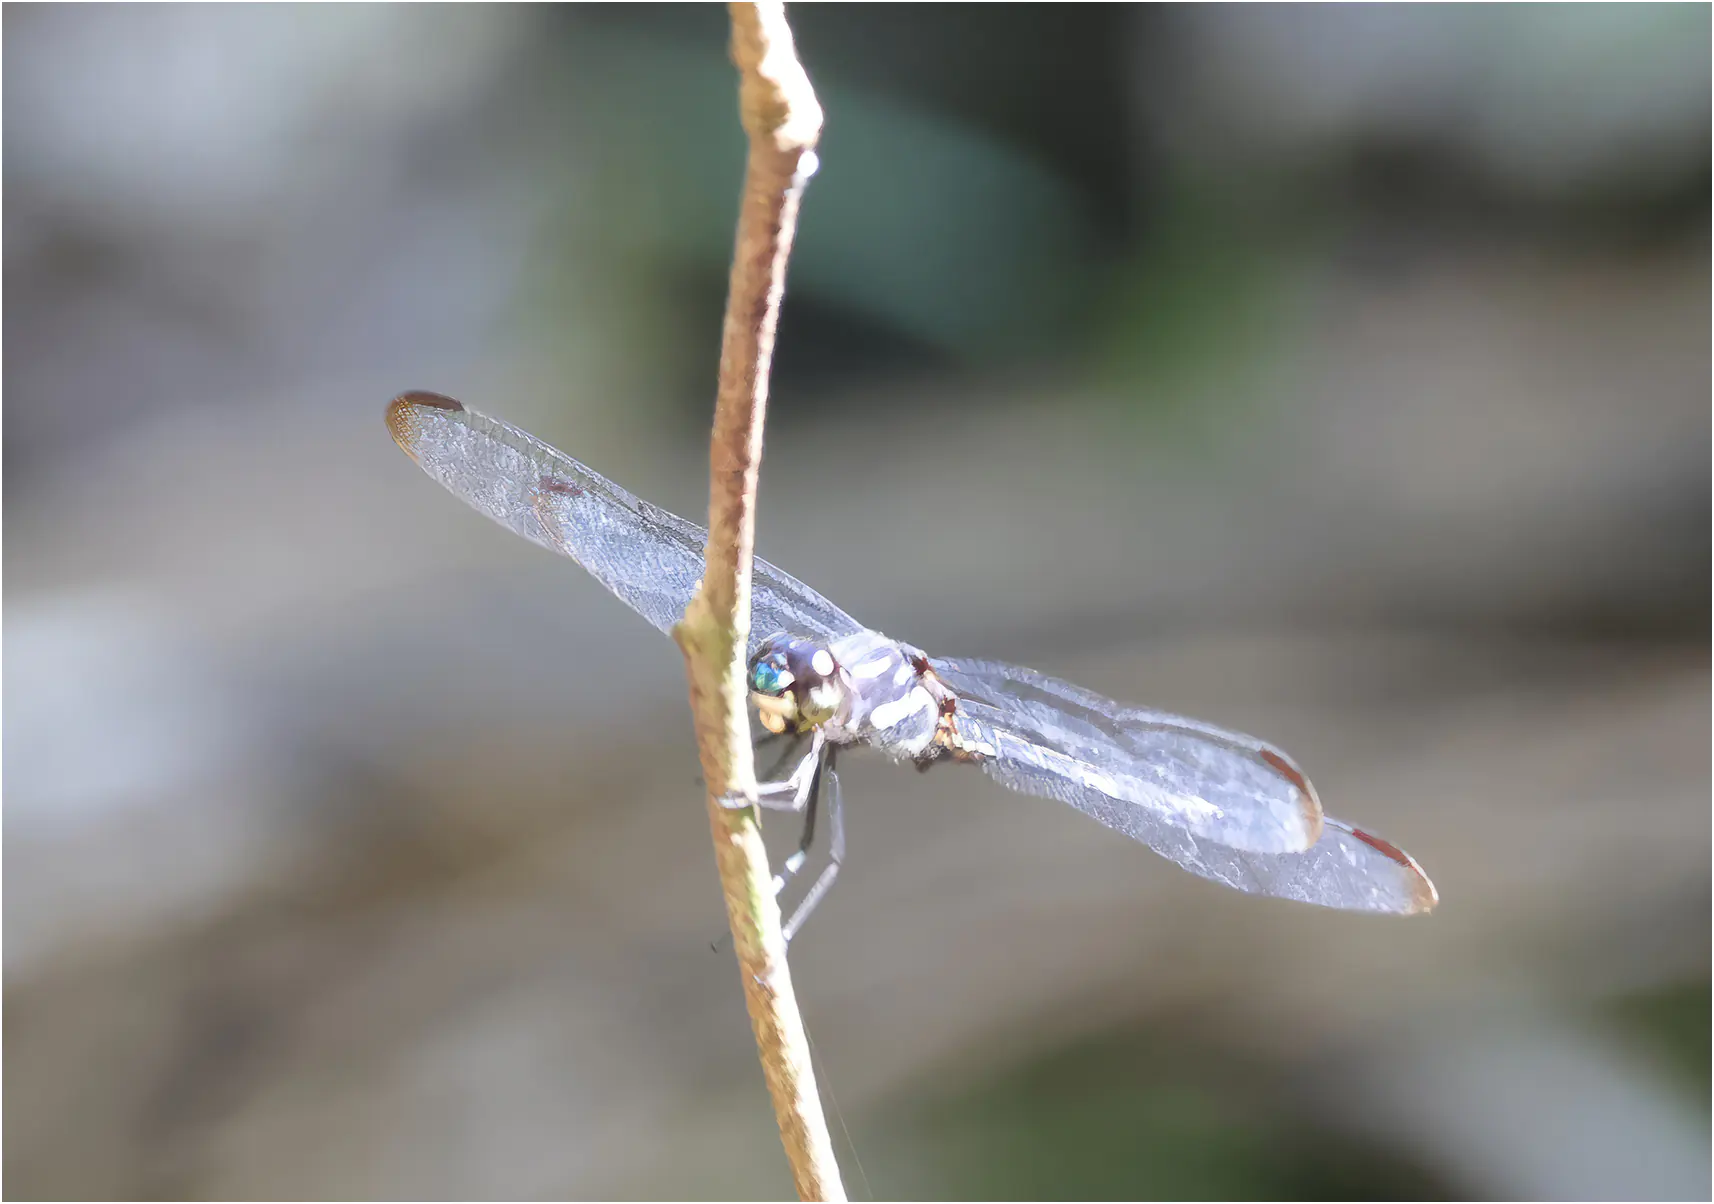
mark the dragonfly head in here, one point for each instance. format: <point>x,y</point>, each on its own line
<point>794,684</point>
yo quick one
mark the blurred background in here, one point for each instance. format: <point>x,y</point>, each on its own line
<point>1335,374</point>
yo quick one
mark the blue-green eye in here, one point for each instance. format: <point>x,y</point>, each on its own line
<point>769,679</point>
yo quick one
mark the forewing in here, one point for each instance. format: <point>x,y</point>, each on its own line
<point>1139,771</point>
<point>651,559</point>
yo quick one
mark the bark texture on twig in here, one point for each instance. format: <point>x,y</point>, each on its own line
<point>782,119</point>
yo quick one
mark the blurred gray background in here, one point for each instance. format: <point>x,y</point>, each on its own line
<point>1336,374</point>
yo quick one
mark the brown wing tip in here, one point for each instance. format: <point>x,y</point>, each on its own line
<point>401,415</point>
<point>1423,895</point>
<point>1309,804</point>
<point>434,401</point>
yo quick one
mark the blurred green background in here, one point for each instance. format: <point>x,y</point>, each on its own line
<point>1337,374</point>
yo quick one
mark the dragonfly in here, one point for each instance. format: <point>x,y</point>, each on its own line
<point>1222,805</point>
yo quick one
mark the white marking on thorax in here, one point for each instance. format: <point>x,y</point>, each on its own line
<point>887,714</point>
<point>873,667</point>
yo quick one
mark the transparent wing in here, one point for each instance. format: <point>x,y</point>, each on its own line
<point>1346,868</point>
<point>650,559</point>
<point>1221,805</point>
<point>1135,770</point>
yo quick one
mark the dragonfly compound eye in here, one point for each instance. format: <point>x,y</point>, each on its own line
<point>770,679</point>
<point>794,684</point>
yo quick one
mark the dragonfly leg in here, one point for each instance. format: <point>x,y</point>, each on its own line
<point>768,741</point>
<point>819,756</point>
<point>835,853</point>
<point>792,794</point>
<point>794,863</point>
<point>793,744</point>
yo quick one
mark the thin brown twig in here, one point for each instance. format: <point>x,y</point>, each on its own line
<point>783,120</point>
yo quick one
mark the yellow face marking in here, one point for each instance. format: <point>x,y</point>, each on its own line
<point>776,714</point>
